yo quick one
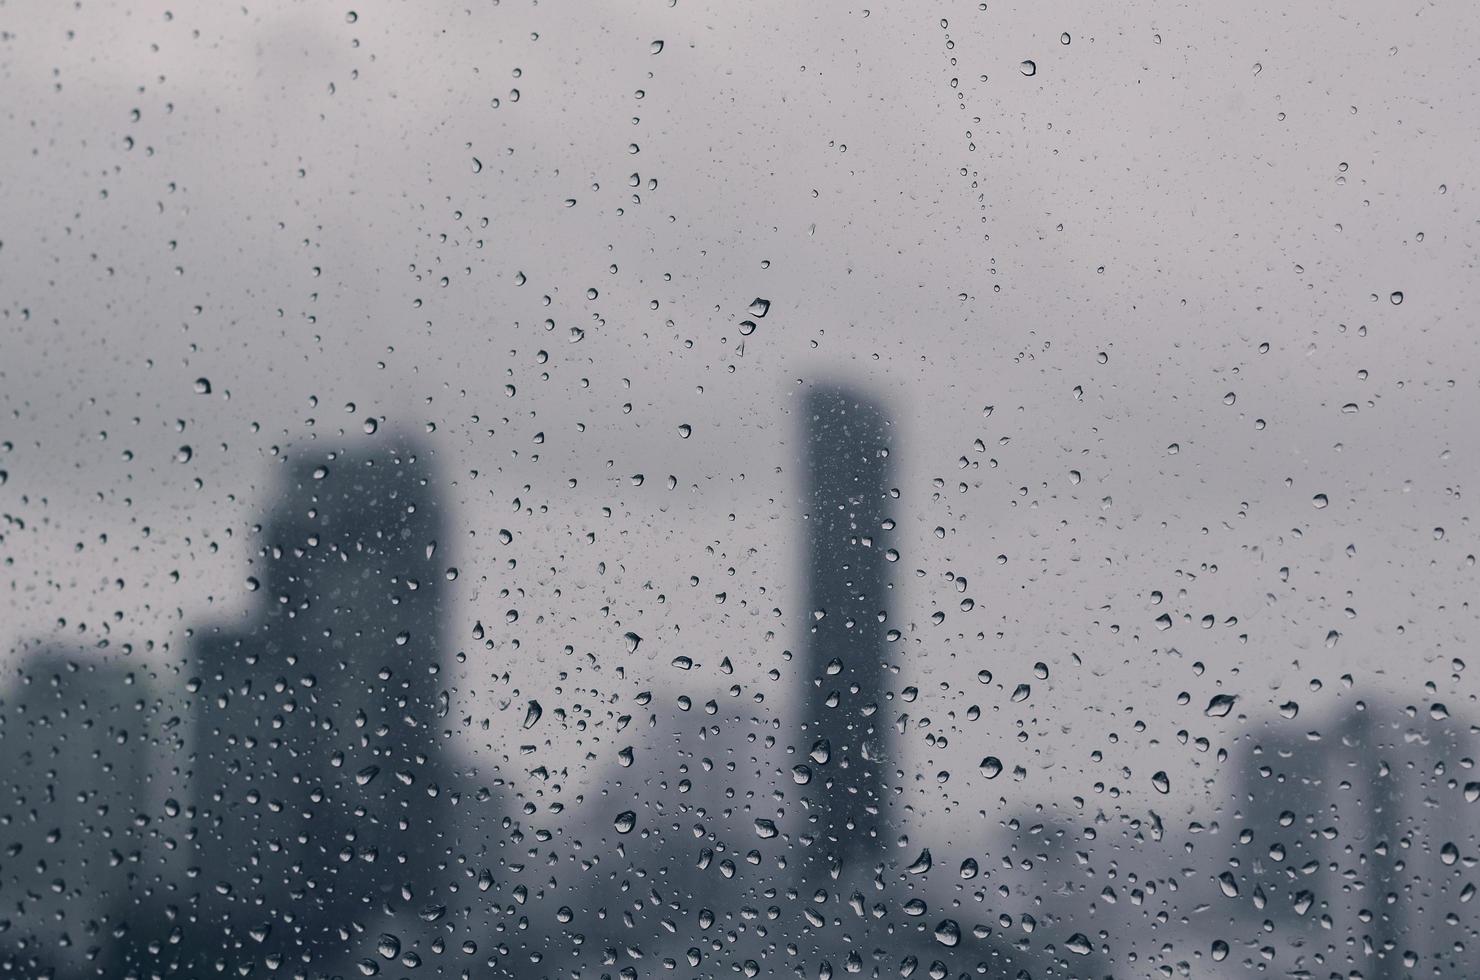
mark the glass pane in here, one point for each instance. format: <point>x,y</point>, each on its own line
<point>662,489</point>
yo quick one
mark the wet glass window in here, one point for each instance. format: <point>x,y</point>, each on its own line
<point>665,489</point>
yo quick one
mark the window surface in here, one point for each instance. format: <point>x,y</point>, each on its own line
<point>676,489</point>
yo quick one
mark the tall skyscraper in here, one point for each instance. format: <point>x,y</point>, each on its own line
<point>844,732</point>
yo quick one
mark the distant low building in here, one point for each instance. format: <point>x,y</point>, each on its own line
<point>75,727</point>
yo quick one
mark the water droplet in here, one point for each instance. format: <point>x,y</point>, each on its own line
<point>1220,705</point>
<point>921,864</point>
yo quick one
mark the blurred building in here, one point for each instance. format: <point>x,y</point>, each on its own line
<point>1357,844</point>
<point>320,788</point>
<point>76,729</point>
<point>845,735</point>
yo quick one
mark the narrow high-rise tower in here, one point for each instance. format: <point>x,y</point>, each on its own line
<point>845,737</point>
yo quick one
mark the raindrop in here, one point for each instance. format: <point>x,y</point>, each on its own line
<point>1220,705</point>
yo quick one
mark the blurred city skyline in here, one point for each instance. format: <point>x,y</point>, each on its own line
<point>314,789</point>
<point>1157,320</point>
